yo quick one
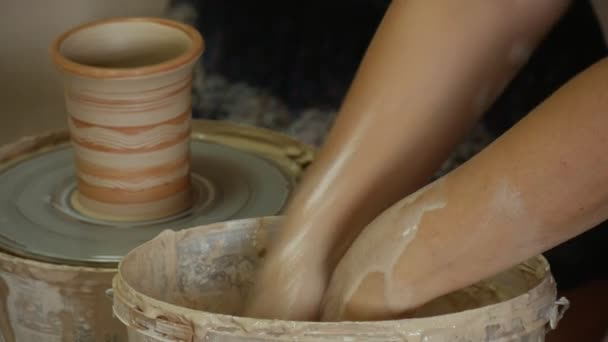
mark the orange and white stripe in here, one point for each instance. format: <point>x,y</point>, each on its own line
<point>134,151</point>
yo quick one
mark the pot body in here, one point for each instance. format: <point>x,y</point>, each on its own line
<point>128,85</point>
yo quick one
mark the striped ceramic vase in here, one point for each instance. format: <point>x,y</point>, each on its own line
<point>128,98</point>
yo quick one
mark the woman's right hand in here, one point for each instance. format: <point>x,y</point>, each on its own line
<point>291,283</point>
<point>290,286</point>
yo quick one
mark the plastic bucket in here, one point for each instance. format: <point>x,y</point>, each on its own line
<point>190,285</point>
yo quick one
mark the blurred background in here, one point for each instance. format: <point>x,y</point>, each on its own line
<point>31,95</point>
<point>286,65</point>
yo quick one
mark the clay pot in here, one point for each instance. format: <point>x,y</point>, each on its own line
<point>128,99</point>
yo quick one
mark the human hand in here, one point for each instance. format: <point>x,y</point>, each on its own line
<point>369,282</point>
<point>290,285</point>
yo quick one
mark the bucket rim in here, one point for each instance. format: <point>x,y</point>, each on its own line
<point>537,304</point>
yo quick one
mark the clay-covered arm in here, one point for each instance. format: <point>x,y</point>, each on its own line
<point>542,183</point>
<point>432,68</point>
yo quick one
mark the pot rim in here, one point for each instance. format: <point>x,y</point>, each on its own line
<point>67,65</point>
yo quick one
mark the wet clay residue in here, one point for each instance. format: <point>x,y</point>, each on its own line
<point>379,249</point>
<point>197,274</point>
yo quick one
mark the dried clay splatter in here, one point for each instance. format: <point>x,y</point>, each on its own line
<point>378,249</point>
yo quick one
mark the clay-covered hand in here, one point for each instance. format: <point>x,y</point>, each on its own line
<point>407,108</point>
<point>540,184</point>
<point>368,283</point>
<point>291,283</point>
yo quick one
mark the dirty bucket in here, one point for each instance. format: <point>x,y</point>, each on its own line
<point>190,286</point>
<point>56,263</point>
<point>46,302</point>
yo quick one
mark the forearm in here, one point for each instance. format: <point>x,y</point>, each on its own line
<point>431,70</point>
<point>540,184</point>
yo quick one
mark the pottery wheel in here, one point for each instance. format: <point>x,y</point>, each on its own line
<point>39,221</point>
